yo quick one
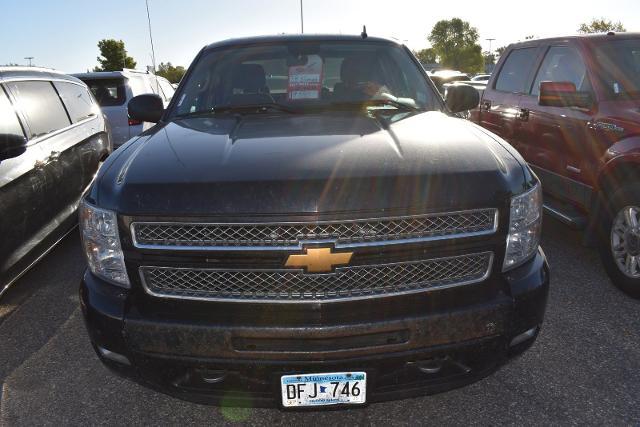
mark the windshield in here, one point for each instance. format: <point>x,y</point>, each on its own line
<point>619,68</point>
<point>299,75</point>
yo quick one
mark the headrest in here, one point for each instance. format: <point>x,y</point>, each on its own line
<point>249,78</point>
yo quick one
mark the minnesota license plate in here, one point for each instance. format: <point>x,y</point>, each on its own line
<point>324,389</point>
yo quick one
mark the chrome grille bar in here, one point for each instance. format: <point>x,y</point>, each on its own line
<point>292,235</point>
<point>282,285</point>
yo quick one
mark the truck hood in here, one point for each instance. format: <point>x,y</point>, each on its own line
<point>274,164</point>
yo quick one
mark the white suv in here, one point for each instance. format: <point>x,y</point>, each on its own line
<point>114,89</point>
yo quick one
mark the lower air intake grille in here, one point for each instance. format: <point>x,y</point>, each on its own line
<point>294,285</point>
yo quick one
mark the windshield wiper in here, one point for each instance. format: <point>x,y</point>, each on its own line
<point>377,102</point>
<point>248,108</point>
<point>262,107</point>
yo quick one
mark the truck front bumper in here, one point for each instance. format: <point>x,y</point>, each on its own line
<point>242,365</point>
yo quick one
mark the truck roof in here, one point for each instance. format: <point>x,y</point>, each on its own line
<point>283,38</point>
<point>595,38</point>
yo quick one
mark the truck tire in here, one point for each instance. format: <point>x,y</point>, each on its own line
<point>620,240</point>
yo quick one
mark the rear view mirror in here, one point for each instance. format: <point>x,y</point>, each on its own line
<point>12,145</point>
<point>146,108</point>
<point>563,94</point>
<point>461,97</point>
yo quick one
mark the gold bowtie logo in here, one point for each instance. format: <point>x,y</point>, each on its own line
<point>319,260</point>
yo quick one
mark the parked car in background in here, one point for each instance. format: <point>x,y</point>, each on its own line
<point>441,77</point>
<point>481,78</point>
<point>336,240</point>
<point>571,106</point>
<point>52,141</point>
<point>114,89</point>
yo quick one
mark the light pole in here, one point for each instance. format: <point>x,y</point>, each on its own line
<point>301,18</point>
<point>29,58</point>
<point>490,40</point>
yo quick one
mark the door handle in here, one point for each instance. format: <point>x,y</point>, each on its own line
<point>523,114</point>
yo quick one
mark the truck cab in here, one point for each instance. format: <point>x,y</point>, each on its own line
<point>571,107</point>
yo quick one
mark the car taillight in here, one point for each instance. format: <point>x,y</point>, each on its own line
<point>133,122</point>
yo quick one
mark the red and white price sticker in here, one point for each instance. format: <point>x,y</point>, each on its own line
<point>305,81</point>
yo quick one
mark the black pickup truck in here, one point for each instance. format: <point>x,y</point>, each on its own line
<point>310,224</point>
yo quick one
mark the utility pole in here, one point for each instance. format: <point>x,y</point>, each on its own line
<point>29,58</point>
<point>153,53</point>
<point>301,18</point>
<point>490,40</point>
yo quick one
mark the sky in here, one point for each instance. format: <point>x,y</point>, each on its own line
<point>64,34</point>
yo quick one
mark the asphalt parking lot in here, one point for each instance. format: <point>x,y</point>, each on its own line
<point>584,368</point>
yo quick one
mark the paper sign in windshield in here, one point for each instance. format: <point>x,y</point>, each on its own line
<point>305,81</point>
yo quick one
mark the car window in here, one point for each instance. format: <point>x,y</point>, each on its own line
<point>618,68</point>
<point>562,64</point>
<point>167,89</point>
<point>41,105</point>
<point>310,75</point>
<point>9,123</point>
<point>108,92</point>
<point>152,83</point>
<point>515,71</point>
<point>76,98</point>
<point>141,85</point>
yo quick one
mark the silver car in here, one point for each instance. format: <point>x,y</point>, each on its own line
<point>114,89</point>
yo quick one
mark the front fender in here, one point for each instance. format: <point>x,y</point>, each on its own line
<point>624,155</point>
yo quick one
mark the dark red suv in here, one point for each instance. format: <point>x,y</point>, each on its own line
<point>571,106</point>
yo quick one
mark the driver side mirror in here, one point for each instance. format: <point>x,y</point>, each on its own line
<point>563,94</point>
<point>461,97</point>
<point>146,108</point>
<point>12,145</point>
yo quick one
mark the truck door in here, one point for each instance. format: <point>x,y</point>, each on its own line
<point>499,105</point>
<point>557,138</point>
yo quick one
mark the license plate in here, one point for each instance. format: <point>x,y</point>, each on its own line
<point>324,389</point>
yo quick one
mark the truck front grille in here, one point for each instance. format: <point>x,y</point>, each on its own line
<point>284,285</point>
<point>290,235</point>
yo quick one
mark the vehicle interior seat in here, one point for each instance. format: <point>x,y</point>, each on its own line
<point>353,71</point>
<point>249,85</point>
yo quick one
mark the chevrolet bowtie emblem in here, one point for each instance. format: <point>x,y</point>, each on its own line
<point>319,260</point>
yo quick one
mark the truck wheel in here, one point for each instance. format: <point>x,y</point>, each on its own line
<point>620,241</point>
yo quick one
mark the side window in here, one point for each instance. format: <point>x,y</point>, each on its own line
<point>108,92</point>
<point>9,123</point>
<point>77,100</point>
<point>562,64</point>
<point>167,89</point>
<point>155,87</point>
<point>41,106</point>
<point>515,71</point>
<point>140,85</point>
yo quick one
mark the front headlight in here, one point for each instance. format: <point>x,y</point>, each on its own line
<point>525,226</point>
<point>101,242</point>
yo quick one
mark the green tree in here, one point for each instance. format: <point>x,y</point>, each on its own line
<point>113,56</point>
<point>426,56</point>
<point>601,26</point>
<point>171,73</point>
<point>499,51</point>
<point>456,43</point>
<point>489,58</point>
